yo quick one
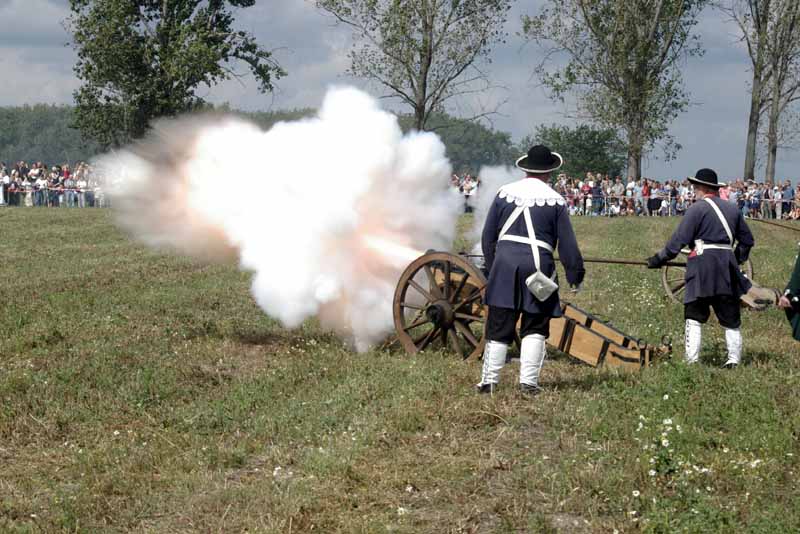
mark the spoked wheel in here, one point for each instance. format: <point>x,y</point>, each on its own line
<point>438,302</point>
<point>674,278</point>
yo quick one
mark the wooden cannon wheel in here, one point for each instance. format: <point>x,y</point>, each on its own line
<point>438,301</point>
<point>674,281</point>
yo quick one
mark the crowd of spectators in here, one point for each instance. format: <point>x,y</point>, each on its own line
<point>468,186</point>
<point>599,195</point>
<point>38,185</point>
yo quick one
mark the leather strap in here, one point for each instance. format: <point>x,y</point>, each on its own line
<point>531,240</point>
<point>525,241</point>
<point>722,220</point>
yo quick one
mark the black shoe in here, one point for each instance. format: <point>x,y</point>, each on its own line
<point>529,390</point>
<point>486,389</point>
<point>730,365</point>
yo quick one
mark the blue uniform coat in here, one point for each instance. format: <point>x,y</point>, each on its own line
<point>793,290</point>
<point>715,272</point>
<point>511,263</point>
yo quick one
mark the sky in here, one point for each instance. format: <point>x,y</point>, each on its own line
<point>36,67</point>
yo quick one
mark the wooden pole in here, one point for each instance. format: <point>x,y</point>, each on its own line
<point>628,262</point>
<point>784,226</point>
<point>605,260</point>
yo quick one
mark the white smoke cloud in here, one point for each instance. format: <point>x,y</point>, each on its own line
<point>326,212</point>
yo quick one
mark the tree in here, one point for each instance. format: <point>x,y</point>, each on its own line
<point>42,133</point>
<point>753,19</point>
<point>584,148</point>
<point>470,145</point>
<point>142,59</point>
<point>623,63</point>
<point>423,52</point>
<point>783,58</point>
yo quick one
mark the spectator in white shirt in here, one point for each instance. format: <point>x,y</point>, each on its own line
<point>81,184</point>
<point>5,179</point>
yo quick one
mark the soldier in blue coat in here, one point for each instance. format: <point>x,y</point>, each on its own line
<point>720,240</point>
<point>790,301</point>
<point>526,223</point>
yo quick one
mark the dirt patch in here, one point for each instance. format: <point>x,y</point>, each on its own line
<point>572,524</point>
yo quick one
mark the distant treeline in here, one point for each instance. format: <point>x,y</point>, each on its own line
<point>44,133</point>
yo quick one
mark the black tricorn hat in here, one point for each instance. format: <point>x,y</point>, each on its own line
<point>540,160</point>
<point>708,178</point>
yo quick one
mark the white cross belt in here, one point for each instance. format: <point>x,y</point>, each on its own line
<point>526,241</point>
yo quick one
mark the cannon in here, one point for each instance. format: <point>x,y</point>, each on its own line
<point>439,301</point>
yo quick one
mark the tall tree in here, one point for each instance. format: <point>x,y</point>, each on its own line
<point>783,58</point>
<point>142,59</point>
<point>623,63</point>
<point>753,17</point>
<point>423,52</point>
<point>585,148</point>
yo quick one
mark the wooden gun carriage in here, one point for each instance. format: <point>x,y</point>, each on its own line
<point>439,301</point>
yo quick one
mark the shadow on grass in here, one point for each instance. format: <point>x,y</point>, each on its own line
<point>759,356</point>
<point>587,382</point>
<point>272,337</point>
<point>261,338</point>
<point>585,377</point>
<point>717,355</point>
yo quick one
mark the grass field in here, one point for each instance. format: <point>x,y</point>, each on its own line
<point>145,392</point>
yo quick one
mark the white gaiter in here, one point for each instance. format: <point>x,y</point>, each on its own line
<point>733,340</point>
<point>531,359</point>
<point>494,358</point>
<point>693,339</point>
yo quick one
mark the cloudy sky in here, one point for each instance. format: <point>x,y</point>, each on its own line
<point>36,66</point>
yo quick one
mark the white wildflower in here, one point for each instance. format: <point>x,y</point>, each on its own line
<point>667,421</point>
<point>636,493</point>
<point>652,472</point>
<point>401,511</point>
<point>666,397</point>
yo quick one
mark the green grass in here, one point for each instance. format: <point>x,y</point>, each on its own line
<point>145,392</point>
